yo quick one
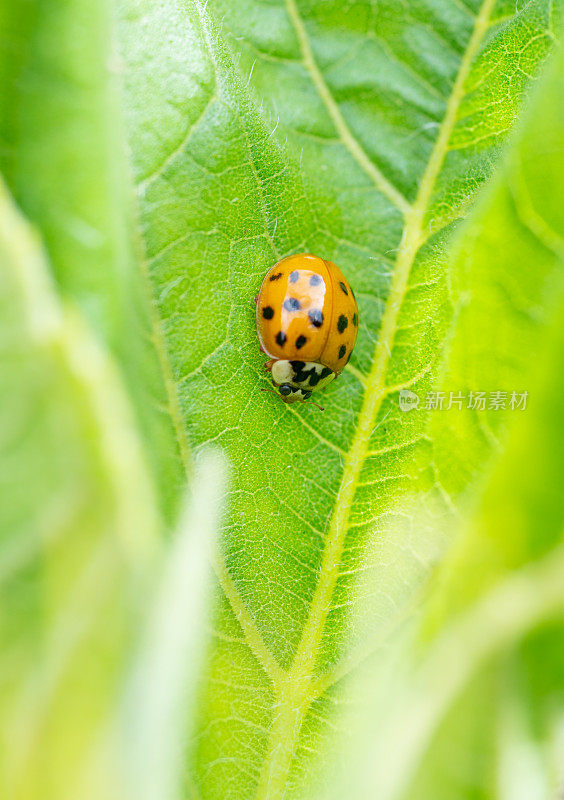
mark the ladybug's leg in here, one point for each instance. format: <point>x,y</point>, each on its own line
<point>256,299</point>
<point>268,364</point>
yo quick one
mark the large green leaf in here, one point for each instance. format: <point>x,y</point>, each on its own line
<point>362,134</point>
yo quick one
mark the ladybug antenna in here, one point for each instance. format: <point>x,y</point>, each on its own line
<point>313,403</point>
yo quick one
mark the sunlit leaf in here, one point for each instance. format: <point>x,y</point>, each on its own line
<point>361,134</point>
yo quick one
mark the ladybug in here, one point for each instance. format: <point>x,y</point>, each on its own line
<point>307,321</point>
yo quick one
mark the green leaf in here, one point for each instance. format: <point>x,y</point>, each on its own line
<point>477,711</point>
<point>508,267</point>
<point>80,562</point>
<point>514,536</point>
<point>79,529</point>
<point>360,134</point>
<point>62,155</point>
<point>159,708</point>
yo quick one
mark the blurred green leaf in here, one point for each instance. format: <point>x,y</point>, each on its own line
<point>361,134</point>
<point>159,707</point>
<point>511,257</point>
<point>62,154</point>
<point>81,564</point>
<point>78,526</point>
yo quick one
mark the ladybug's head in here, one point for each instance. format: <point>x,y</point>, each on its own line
<point>293,394</point>
<point>288,382</point>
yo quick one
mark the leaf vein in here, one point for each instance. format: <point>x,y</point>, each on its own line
<point>349,140</point>
<point>142,186</point>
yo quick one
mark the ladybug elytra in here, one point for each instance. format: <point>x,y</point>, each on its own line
<point>307,321</point>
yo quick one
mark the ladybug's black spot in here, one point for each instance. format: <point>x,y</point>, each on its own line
<point>342,323</point>
<point>342,350</point>
<point>314,379</point>
<point>281,338</point>
<point>306,393</point>
<point>342,285</point>
<point>355,319</point>
<point>315,280</point>
<point>294,276</point>
<point>325,372</point>
<point>315,317</point>
<point>275,277</point>
<point>268,312</point>
<point>300,341</point>
<point>285,389</point>
<point>292,304</point>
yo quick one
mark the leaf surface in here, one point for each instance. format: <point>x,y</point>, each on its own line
<point>361,135</point>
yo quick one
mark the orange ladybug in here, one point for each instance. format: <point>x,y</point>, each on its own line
<point>307,321</point>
